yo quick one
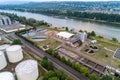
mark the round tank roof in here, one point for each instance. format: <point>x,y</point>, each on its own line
<point>1,53</point>
<point>6,76</point>
<point>2,47</point>
<point>26,66</point>
<point>13,48</point>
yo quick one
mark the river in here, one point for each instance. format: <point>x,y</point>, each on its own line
<point>104,29</point>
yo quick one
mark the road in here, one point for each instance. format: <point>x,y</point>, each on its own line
<point>58,64</point>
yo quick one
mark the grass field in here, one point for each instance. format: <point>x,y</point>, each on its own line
<point>52,43</point>
<point>105,55</point>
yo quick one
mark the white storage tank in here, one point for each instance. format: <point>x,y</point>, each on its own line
<point>14,53</point>
<point>27,70</point>
<point>6,76</point>
<point>3,62</point>
<point>3,47</point>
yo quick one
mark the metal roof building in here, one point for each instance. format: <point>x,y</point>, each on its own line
<point>64,35</point>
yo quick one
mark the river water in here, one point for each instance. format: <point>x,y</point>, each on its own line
<point>105,29</point>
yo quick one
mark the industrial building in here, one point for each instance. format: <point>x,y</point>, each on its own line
<point>7,25</point>
<point>13,27</point>
<point>64,35</point>
<point>4,20</point>
<point>75,39</point>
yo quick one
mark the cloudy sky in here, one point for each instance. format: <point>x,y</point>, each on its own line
<point>55,0</point>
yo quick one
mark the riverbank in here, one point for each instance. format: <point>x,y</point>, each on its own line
<point>66,17</point>
<point>104,29</point>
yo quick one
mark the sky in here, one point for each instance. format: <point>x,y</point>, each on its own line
<point>53,0</point>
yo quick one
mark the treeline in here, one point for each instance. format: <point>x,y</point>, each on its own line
<point>76,14</point>
<point>81,69</point>
<point>51,74</point>
<point>24,20</point>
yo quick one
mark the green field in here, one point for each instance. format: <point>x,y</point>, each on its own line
<point>104,55</point>
<point>52,43</point>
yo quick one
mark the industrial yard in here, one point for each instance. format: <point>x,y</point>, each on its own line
<point>27,56</point>
<point>105,52</point>
<point>32,53</point>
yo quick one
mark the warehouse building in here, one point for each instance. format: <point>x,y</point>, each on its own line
<point>75,40</point>
<point>64,35</point>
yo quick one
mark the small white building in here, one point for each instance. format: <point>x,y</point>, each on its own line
<point>64,35</point>
<point>6,76</point>
<point>93,41</point>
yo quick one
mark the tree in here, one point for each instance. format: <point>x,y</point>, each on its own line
<point>49,74</point>
<point>93,77</point>
<point>84,71</point>
<point>17,42</point>
<point>93,34</point>
<point>114,39</point>
<point>61,75</point>
<point>106,77</point>
<point>46,64</point>
<point>80,30</point>
<point>69,62</point>
<point>80,43</point>
<point>49,51</point>
<point>53,78</point>
<point>50,66</point>
<point>63,60</point>
<point>66,28</point>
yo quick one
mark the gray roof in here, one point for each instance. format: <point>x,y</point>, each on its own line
<point>12,26</point>
<point>117,53</point>
<point>2,16</point>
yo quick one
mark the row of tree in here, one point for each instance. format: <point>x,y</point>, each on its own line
<point>81,69</point>
<point>51,74</point>
<point>77,14</point>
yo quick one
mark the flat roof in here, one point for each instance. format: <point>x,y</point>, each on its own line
<point>65,34</point>
<point>12,27</point>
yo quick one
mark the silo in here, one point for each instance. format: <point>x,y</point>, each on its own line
<point>14,53</point>
<point>3,62</point>
<point>6,76</point>
<point>3,47</point>
<point>27,70</point>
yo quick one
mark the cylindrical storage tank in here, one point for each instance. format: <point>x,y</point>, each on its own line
<point>14,53</point>
<point>6,76</point>
<point>3,62</point>
<point>27,70</point>
<point>3,47</point>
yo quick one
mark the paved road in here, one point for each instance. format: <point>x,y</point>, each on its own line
<point>57,63</point>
